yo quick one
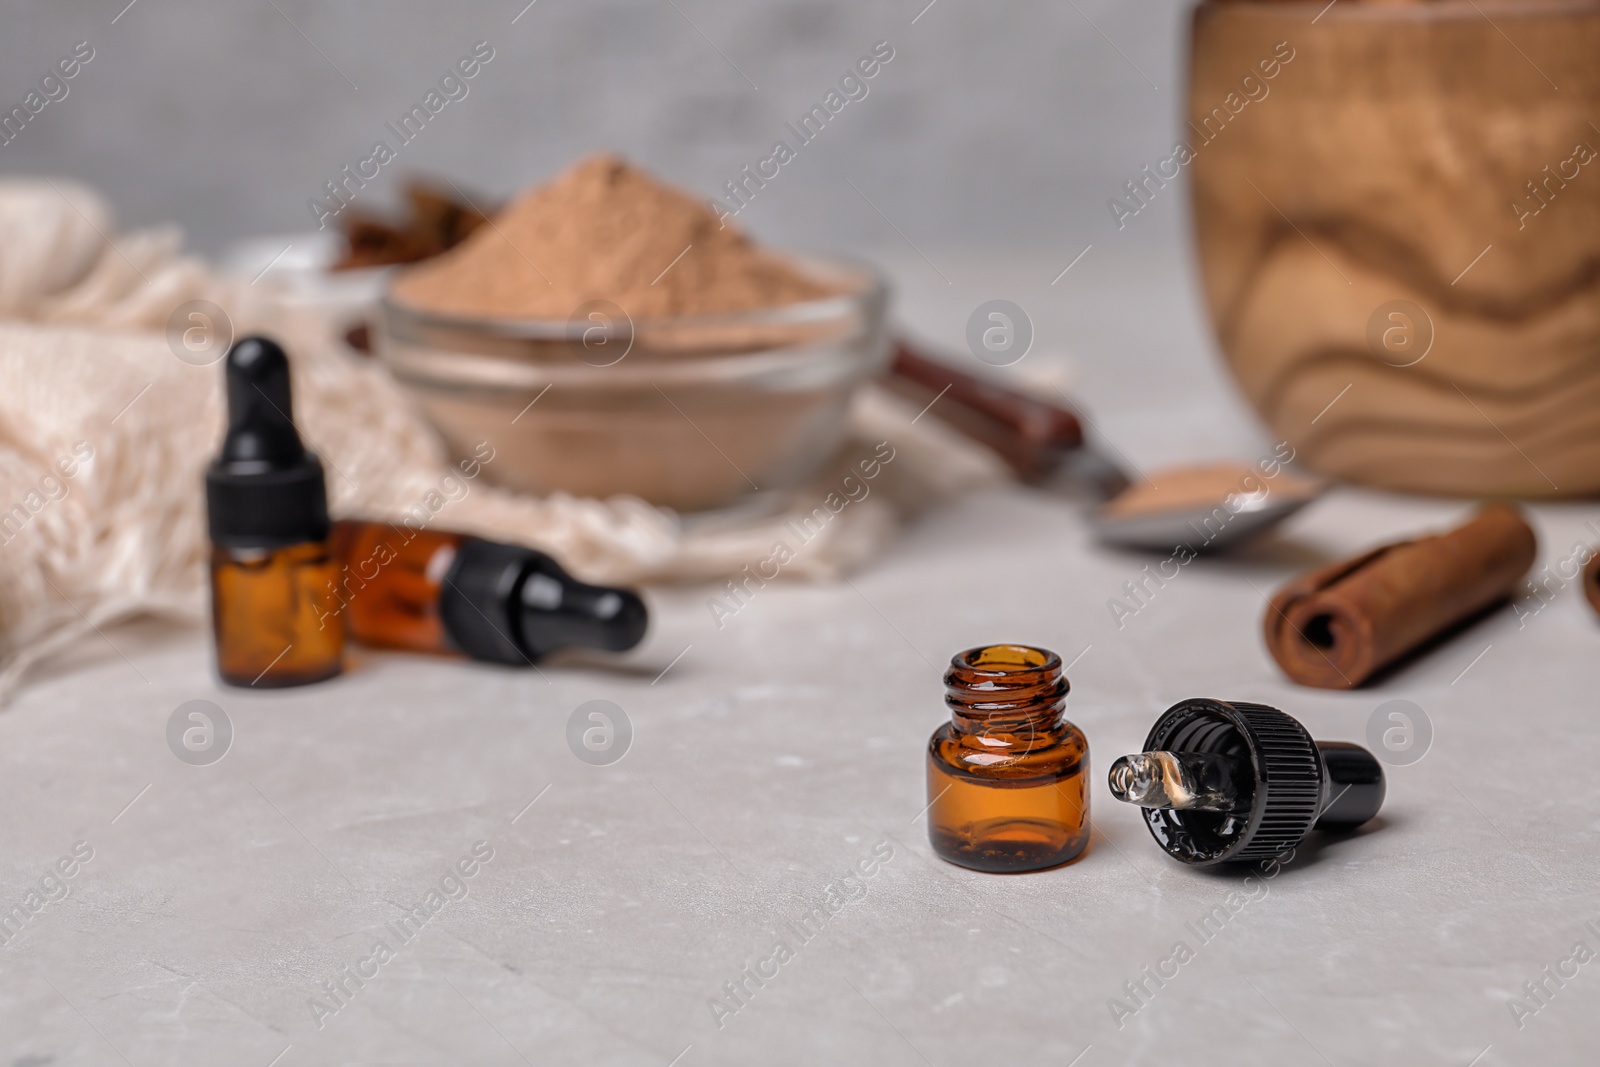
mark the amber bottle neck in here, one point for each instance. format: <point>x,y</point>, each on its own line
<point>1005,689</point>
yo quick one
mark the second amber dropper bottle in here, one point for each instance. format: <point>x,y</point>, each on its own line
<point>419,590</point>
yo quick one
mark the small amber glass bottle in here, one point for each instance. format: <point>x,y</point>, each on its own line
<point>440,591</point>
<point>389,582</point>
<point>272,617</point>
<point>1008,775</point>
<point>267,507</point>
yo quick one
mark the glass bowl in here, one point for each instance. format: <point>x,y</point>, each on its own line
<point>692,412</point>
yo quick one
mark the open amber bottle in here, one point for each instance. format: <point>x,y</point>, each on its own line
<point>1008,775</point>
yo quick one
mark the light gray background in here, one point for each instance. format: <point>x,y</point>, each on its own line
<point>773,755</point>
<point>1000,121</point>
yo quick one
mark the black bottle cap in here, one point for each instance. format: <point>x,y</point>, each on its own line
<point>509,604</point>
<point>1293,783</point>
<point>264,490</point>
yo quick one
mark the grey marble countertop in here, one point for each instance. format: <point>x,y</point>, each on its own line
<point>220,905</point>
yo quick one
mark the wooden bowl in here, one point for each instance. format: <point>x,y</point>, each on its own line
<point>1399,233</point>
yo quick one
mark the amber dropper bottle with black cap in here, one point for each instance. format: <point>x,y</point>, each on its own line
<point>437,591</point>
<point>267,509</point>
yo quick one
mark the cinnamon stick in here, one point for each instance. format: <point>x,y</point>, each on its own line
<point>1336,626</point>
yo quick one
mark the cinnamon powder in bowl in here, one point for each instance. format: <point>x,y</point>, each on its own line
<point>608,334</point>
<point>605,230</point>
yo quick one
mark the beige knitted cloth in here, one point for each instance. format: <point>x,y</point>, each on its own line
<point>105,434</point>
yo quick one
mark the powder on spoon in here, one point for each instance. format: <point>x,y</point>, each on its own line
<point>605,230</point>
<point>1205,486</point>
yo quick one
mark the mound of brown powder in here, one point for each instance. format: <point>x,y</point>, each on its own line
<point>605,230</point>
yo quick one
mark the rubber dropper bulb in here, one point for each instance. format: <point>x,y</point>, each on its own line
<point>558,611</point>
<point>261,433</point>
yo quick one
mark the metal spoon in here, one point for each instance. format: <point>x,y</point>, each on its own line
<point>1238,505</point>
<point>1046,446</point>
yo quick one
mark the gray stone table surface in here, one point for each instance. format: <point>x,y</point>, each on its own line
<point>221,903</point>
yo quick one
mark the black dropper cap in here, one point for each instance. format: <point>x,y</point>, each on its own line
<point>264,490</point>
<point>509,604</point>
<point>1222,781</point>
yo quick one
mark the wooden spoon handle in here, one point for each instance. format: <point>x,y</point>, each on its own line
<point>1029,434</point>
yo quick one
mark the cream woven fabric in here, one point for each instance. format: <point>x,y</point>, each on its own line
<point>105,434</point>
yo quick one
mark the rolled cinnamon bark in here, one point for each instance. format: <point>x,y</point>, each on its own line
<point>1591,582</point>
<point>1338,625</point>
